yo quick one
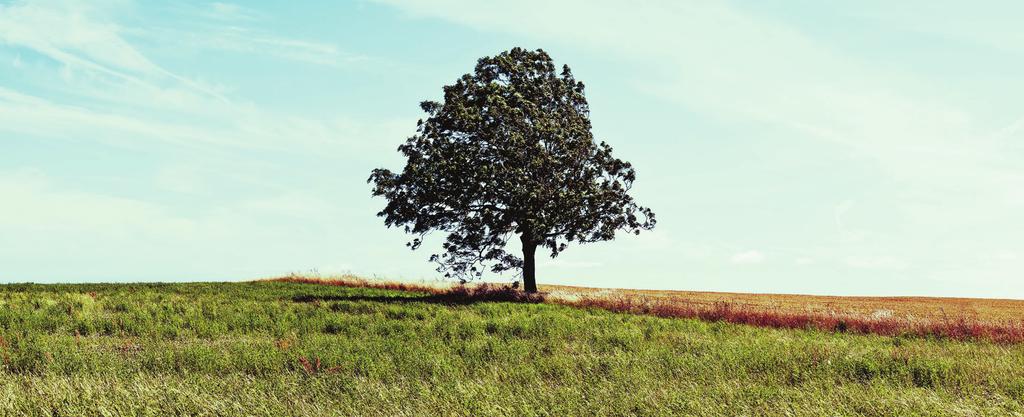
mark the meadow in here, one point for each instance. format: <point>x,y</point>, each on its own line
<point>296,347</point>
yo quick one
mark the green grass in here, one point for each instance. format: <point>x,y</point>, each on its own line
<point>253,348</point>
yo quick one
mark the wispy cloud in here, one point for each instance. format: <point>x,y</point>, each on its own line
<point>235,28</point>
<point>748,257</point>
<point>803,261</point>
<point>238,126</point>
<point>108,82</point>
<point>230,12</point>
<point>80,37</point>
<point>1013,130</point>
<point>224,178</point>
<point>252,41</point>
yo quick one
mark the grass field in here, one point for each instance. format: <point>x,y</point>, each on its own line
<point>288,348</point>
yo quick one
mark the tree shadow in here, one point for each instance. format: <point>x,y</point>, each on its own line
<point>455,296</point>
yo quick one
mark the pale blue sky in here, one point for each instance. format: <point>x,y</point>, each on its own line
<point>867,147</point>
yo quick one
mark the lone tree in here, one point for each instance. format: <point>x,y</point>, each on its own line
<point>509,152</point>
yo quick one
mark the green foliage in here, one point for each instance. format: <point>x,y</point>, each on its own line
<point>280,349</point>
<point>509,152</point>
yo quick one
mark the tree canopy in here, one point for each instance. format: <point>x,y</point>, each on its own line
<point>509,152</point>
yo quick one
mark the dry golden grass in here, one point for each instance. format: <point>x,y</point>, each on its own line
<point>908,308</point>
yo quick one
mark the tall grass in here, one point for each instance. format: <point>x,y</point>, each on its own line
<point>289,349</point>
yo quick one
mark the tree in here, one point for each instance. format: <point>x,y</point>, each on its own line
<point>509,153</point>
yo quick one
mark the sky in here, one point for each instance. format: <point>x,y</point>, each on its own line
<point>786,146</point>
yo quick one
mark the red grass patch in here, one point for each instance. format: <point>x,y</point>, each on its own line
<point>961,328</point>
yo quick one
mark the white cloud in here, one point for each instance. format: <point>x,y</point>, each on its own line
<point>69,33</point>
<point>99,61</point>
<point>803,261</point>
<point>80,36</point>
<point>235,28</point>
<point>113,94</point>
<point>748,257</point>
<point>32,204</point>
<point>236,126</point>
<point>99,235</point>
<point>116,95</point>
<point>253,41</point>
<point>35,201</point>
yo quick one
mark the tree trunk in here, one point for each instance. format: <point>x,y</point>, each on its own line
<point>529,265</point>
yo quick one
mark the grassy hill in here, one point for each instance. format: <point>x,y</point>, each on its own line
<point>287,348</point>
